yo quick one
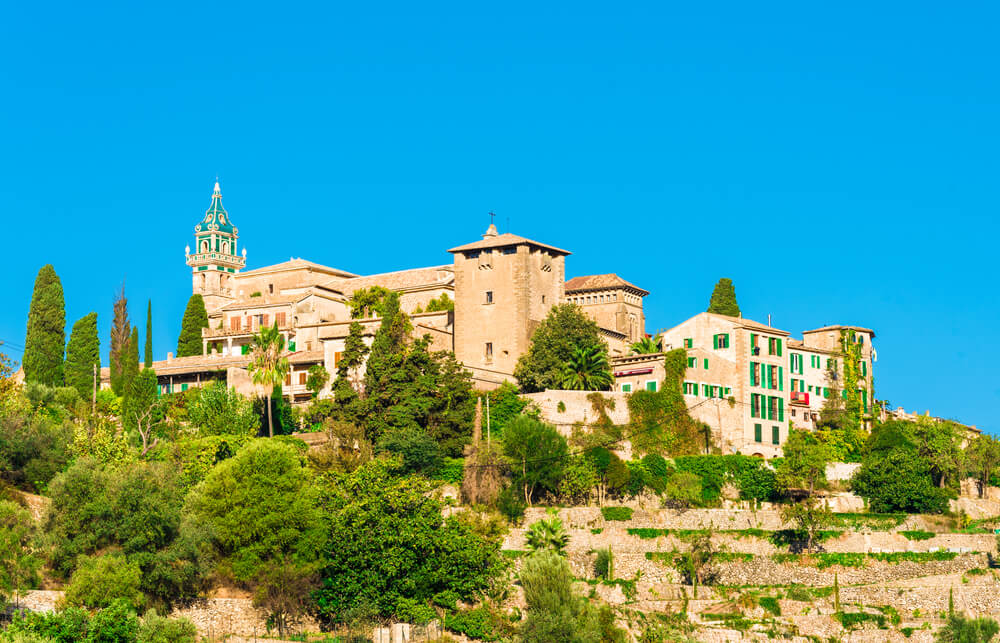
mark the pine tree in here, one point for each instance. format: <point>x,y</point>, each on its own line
<point>83,353</point>
<point>149,335</point>
<point>723,300</point>
<point>120,329</point>
<point>46,337</point>
<point>195,318</point>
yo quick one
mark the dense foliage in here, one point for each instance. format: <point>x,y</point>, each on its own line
<point>411,556</point>
<point>565,329</point>
<point>195,318</point>
<point>83,354</point>
<point>723,301</point>
<point>910,466</point>
<point>660,419</point>
<point>46,337</point>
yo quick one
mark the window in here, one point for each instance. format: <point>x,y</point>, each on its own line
<point>754,344</point>
<point>280,319</point>
<point>775,435</point>
<point>688,343</point>
<point>706,363</point>
<point>626,388</point>
<point>796,363</point>
<point>690,388</point>
<point>302,379</point>
<point>543,299</point>
<point>692,362</point>
<point>234,323</point>
<point>489,350</point>
<point>489,296</point>
<point>774,346</point>
<point>337,357</point>
<point>511,250</point>
<point>651,385</point>
<point>755,400</point>
<point>288,379</point>
<point>754,374</point>
<point>758,435</point>
<point>270,289</point>
<point>720,341</point>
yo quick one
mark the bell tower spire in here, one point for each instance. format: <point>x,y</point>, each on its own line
<point>215,259</point>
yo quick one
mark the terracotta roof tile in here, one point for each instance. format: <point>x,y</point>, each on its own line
<point>600,282</point>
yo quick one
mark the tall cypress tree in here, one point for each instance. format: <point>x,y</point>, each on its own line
<point>723,300</point>
<point>130,363</point>
<point>195,318</point>
<point>46,337</point>
<point>120,330</point>
<point>390,340</point>
<point>83,353</point>
<point>149,334</point>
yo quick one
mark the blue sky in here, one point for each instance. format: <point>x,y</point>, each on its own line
<point>838,162</point>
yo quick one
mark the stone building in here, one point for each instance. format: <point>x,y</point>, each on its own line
<point>501,286</point>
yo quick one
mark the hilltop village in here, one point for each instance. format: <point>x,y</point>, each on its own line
<point>746,380</point>
<point>482,450</point>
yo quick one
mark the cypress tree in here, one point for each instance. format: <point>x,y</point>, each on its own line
<point>195,318</point>
<point>46,337</point>
<point>130,366</point>
<point>83,352</point>
<point>723,300</point>
<point>120,330</point>
<point>149,334</point>
<point>390,340</point>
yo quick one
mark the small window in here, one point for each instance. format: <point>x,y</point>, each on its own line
<point>626,388</point>
<point>775,435</point>
<point>184,387</point>
<point>510,250</point>
<point>543,299</point>
<point>758,433</point>
<point>651,385</point>
<point>489,296</point>
<point>689,343</point>
<point>692,362</point>
<point>288,379</point>
<point>489,350</point>
<point>270,289</point>
<point>302,379</point>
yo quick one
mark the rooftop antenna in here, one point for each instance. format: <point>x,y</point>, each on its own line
<point>769,319</point>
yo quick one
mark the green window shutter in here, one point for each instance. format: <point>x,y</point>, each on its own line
<point>706,363</point>
<point>757,434</point>
<point>715,342</point>
<point>651,386</point>
<point>781,378</point>
<point>781,409</point>
<point>626,388</point>
<point>184,387</point>
<point>751,373</point>
<point>775,435</point>
<point>779,348</point>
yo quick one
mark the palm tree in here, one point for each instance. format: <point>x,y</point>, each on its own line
<point>268,366</point>
<point>587,370</point>
<point>648,345</point>
<point>547,534</point>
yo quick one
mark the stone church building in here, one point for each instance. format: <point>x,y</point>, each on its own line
<point>502,286</point>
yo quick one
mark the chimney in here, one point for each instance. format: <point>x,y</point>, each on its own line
<point>170,357</point>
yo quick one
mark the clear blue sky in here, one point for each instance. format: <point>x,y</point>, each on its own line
<point>838,162</point>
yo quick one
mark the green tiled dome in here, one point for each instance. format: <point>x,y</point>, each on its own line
<point>216,218</point>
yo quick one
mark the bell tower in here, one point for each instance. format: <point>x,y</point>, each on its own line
<point>215,261</point>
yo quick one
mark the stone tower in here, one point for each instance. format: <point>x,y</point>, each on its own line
<point>504,286</point>
<point>215,259</point>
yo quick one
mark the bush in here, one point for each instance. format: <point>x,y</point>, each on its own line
<point>34,447</point>
<point>899,480</point>
<point>511,503</point>
<point>101,580</point>
<point>197,456</point>
<point>658,471</point>
<point>683,489</point>
<point>604,564</point>
<point>420,452</point>
<point>961,629</point>
<point>159,629</point>
<point>754,480</point>
<point>617,513</point>
<point>219,410</point>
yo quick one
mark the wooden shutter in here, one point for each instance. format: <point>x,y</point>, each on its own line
<point>781,378</point>
<point>302,378</point>
<point>775,435</point>
<point>757,433</point>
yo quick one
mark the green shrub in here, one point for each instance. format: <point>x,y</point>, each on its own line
<point>770,604</point>
<point>917,535</point>
<point>754,480</point>
<point>683,489</point>
<point>851,620</point>
<point>478,623</point>
<point>101,580</point>
<point>604,564</point>
<point>961,629</point>
<point>451,471</point>
<point>647,533</point>
<point>617,513</point>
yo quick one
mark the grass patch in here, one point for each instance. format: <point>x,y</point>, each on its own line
<point>770,604</point>
<point>647,533</point>
<point>917,534</point>
<point>617,513</point>
<point>825,560</point>
<point>852,620</point>
<point>875,522</point>
<point>513,553</point>
<point>596,531</point>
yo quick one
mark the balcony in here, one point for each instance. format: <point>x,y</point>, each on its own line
<point>800,397</point>
<point>202,258</point>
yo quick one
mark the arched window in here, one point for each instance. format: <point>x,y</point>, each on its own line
<point>225,247</point>
<point>203,281</point>
<point>204,248</point>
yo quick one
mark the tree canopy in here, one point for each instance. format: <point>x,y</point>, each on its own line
<point>83,353</point>
<point>565,329</point>
<point>46,337</point>
<point>195,318</point>
<point>723,301</point>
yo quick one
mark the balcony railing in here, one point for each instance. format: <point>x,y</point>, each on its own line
<point>800,397</point>
<point>235,332</point>
<point>202,257</point>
